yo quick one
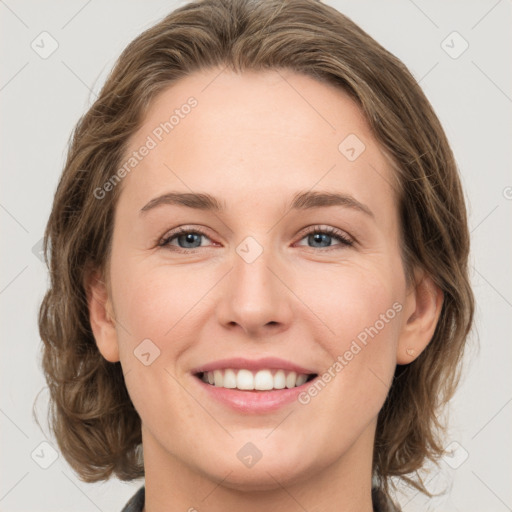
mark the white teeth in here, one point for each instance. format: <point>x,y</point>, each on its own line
<point>218,378</point>
<point>279,380</point>
<point>229,379</point>
<point>291,378</point>
<point>262,380</point>
<point>301,379</point>
<point>244,380</point>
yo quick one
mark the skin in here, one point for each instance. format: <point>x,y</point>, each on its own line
<point>253,141</point>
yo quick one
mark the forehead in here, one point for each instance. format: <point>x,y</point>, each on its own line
<point>271,132</point>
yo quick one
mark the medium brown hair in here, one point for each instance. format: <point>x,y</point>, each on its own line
<point>92,417</point>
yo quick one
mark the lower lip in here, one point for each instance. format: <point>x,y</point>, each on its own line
<point>255,402</point>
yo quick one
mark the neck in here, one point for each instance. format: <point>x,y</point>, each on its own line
<point>344,485</point>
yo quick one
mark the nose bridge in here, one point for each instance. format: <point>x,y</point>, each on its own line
<point>252,279</point>
<point>255,297</point>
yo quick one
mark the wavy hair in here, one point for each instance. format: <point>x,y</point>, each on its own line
<point>91,415</point>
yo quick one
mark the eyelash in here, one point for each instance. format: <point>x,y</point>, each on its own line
<point>330,231</point>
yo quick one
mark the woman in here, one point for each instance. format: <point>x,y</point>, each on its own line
<point>258,250</point>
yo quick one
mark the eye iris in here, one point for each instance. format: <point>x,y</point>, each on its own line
<point>317,237</point>
<point>189,238</point>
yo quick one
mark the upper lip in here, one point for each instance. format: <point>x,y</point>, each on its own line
<point>252,364</point>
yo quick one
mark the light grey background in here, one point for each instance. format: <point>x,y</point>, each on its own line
<point>42,99</point>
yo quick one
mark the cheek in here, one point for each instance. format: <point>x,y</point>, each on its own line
<point>155,313</point>
<point>151,301</point>
<point>354,298</point>
<point>362,309</point>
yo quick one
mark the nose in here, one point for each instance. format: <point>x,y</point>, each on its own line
<point>255,296</point>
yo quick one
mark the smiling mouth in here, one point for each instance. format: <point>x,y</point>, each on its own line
<point>247,380</point>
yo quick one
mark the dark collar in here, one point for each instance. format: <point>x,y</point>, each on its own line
<point>381,503</point>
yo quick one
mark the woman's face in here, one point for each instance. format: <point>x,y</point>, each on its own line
<point>256,283</point>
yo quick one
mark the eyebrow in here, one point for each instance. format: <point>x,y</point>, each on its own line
<point>301,201</point>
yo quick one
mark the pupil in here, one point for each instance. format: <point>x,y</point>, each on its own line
<point>189,238</point>
<point>317,237</point>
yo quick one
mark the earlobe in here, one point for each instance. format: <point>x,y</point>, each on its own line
<point>101,317</point>
<point>422,311</point>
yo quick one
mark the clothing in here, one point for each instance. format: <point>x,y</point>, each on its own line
<point>136,502</point>
<point>381,503</point>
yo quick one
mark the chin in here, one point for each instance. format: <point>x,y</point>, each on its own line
<point>264,475</point>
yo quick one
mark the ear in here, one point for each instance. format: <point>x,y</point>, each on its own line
<point>422,309</point>
<point>101,317</point>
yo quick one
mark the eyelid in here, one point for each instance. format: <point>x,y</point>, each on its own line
<point>345,240</point>
<point>163,241</point>
<point>323,228</point>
